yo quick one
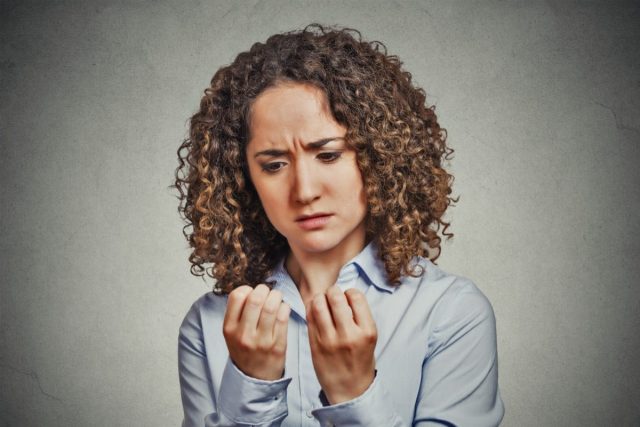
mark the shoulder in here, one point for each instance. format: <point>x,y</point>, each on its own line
<point>462,308</point>
<point>456,295</point>
<point>441,301</point>
<point>462,298</point>
<point>446,290</point>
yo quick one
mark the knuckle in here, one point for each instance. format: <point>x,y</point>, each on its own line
<point>317,306</point>
<point>332,346</point>
<point>227,331</point>
<point>239,293</point>
<point>318,300</point>
<point>371,336</point>
<point>283,318</point>
<point>355,294</point>
<point>261,287</point>
<point>334,298</point>
<point>269,310</point>
<point>276,294</point>
<point>260,347</point>
<point>283,313</point>
<point>246,343</point>
<point>255,299</point>
<point>348,343</point>
<point>333,290</point>
<point>273,345</point>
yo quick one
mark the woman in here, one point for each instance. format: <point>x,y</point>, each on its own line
<point>313,182</point>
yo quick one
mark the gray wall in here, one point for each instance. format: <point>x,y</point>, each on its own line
<point>542,104</point>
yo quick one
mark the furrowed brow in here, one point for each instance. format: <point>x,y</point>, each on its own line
<point>319,143</point>
<point>270,153</point>
<point>315,144</point>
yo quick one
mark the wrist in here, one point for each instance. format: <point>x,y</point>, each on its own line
<point>264,375</point>
<point>269,374</point>
<point>355,389</point>
<point>250,401</point>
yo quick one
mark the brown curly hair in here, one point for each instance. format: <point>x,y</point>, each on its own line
<point>398,142</point>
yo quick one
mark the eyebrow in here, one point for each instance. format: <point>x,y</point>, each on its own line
<point>315,144</point>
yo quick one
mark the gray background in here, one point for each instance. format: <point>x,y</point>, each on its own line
<point>541,101</point>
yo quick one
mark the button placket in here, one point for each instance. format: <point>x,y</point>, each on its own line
<point>309,402</point>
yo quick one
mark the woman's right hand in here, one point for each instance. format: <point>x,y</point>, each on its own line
<point>255,329</point>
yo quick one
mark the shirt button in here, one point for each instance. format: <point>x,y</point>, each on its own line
<point>309,414</point>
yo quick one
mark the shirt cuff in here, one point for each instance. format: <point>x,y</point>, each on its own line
<point>247,400</point>
<point>371,408</point>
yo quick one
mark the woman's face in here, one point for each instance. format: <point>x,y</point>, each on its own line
<point>301,166</point>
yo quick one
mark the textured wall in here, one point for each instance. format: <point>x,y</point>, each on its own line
<point>542,104</point>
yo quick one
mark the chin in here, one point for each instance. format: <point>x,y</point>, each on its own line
<point>316,244</point>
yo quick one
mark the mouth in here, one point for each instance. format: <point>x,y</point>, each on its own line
<point>315,215</point>
<point>316,221</point>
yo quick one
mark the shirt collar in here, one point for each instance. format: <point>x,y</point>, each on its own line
<point>371,267</point>
<point>366,264</point>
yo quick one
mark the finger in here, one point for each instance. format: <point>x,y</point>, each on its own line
<point>360,308</point>
<point>322,319</point>
<point>253,307</point>
<point>268,314</point>
<point>312,325</point>
<point>309,317</point>
<point>281,326</point>
<point>340,309</point>
<point>312,330</point>
<point>235,302</point>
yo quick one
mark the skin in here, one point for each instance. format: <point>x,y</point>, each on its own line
<point>255,330</point>
<point>307,180</point>
<point>300,179</point>
<point>342,337</point>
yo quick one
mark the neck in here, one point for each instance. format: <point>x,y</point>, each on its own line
<point>313,272</point>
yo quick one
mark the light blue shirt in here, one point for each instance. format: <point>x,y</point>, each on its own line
<point>436,358</point>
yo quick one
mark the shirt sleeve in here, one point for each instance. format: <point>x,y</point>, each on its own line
<point>459,375</point>
<point>241,400</point>
<point>460,372</point>
<point>371,409</point>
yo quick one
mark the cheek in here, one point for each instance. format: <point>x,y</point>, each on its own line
<point>258,182</point>
<point>351,188</point>
<point>266,198</point>
<point>361,193</point>
<point>271,197</point>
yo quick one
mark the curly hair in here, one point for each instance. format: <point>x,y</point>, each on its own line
<point>399,146</point>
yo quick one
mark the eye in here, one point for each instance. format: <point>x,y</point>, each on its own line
<point>272,167</point>
<point>329,157</point>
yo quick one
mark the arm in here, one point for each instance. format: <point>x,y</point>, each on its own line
<point>241,400</point>
<point>460,372</point>
<point>459,375</point>
<point>371,409</point>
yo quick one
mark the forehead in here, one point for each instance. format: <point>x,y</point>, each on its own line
<point>290,111</point>
<point>287,93</point>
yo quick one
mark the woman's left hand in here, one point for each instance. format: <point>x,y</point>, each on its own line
<point>343,336</point>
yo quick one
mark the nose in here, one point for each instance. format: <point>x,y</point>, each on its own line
<point>306,185</point>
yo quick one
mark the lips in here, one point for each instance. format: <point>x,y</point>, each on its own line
<point>315,215</point>
<point>314,221</point>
